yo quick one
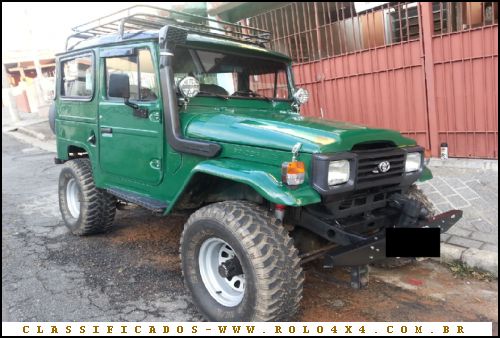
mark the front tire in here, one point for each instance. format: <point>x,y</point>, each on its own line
<point>265,279</point>
<point>84,208</point>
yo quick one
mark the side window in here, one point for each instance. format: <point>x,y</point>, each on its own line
<point>77,77</point>
<point>140,70</point>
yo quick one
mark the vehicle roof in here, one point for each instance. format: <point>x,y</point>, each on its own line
<point>193,39</point>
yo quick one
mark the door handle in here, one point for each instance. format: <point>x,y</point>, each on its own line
<point>105,130</point>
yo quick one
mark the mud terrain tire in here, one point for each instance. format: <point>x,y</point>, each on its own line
<point>272,275</point>
<point>85,209</point>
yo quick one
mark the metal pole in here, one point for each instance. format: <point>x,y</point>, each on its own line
<point>427,28</point>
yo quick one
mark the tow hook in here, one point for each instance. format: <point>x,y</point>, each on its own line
<point>443,221</point>
<point>414,214</point>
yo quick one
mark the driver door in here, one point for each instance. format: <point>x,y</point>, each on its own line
<point>131,140</point>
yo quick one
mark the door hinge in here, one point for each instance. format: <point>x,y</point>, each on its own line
<point>154,116</point>
<point>155,164</point>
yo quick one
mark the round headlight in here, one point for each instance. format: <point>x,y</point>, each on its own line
<point>189,87</point>
<point>301,96</point>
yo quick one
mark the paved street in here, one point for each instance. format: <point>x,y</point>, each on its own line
<point>48,274</point>
<point>133,273</point>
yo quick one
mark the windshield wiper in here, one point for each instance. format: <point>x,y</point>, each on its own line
<point>213,94</point>
<point>254,94</point>
<point>263,97</point>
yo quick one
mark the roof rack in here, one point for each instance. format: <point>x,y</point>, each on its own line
<point>144,17</point>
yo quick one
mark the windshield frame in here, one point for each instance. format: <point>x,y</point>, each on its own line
<point>287,69</point>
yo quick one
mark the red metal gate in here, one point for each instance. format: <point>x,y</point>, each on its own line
<point>408,67</point>
<point>465,67</point>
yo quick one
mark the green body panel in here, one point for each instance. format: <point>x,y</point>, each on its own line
<point>76,121</point>
<point>134,150</point>
<point>73,133</point>
<point>426,174</point>
<point>265,179</point>
<point>256,137</point>
<point>273,126</point>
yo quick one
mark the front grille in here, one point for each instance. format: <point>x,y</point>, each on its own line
<point>368,174</point>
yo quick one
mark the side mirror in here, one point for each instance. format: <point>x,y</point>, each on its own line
<point>119,86</point>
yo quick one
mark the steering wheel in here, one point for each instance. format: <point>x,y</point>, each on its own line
<point>147,94</point>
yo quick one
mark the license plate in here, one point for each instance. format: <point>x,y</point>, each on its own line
<point>413,242</point>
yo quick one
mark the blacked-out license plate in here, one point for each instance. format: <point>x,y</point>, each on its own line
<point>412,242</point>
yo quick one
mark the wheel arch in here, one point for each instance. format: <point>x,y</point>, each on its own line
<point>262,181</point>
<point>72,149</point>
<point>204,188</point>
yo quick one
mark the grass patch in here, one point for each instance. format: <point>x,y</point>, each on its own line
<point>462,270</point>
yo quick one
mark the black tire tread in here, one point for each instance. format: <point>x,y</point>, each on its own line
<point>275,259</point>
<point>101,209</point>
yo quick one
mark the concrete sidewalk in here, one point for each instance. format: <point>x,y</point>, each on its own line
<point>474,239</point>
<point>33,129</point>
<point>469,185</point>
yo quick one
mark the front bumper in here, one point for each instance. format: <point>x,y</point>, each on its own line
<point>373,248</point>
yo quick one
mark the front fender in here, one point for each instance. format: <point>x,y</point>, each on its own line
<point>265,179</point>
<point>426,174</point>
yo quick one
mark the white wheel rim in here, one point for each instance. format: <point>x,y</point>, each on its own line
<point>226,291</point>
<point>73,198</point>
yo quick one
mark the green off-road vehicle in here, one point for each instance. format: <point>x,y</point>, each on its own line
<point>172,111</point>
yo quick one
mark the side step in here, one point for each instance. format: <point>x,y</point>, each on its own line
<point>146,202</point>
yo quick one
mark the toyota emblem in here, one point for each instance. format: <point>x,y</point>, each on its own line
<point>384,166</point>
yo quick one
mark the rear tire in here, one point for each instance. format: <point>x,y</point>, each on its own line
<point>396,262</point>
<point>84,208</point>
<point>271,271</point>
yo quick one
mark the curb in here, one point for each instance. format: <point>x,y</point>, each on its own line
<point>475,258</point>
<point>47,145</point>
<point>462,163</point>
<point>32,133</point>
<point>26,123</point>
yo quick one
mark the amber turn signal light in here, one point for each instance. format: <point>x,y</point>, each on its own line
<point>293,173</point>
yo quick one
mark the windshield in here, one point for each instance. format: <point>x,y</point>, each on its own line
<point>231,75</point>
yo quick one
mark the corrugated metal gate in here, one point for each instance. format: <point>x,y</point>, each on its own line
<point>465,71</point>
<point>429,70</point>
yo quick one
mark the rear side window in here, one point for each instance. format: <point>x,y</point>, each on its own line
<point>77,77</point>
<point>140,70</point>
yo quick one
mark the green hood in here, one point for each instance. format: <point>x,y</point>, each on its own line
<point>283,130</point>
